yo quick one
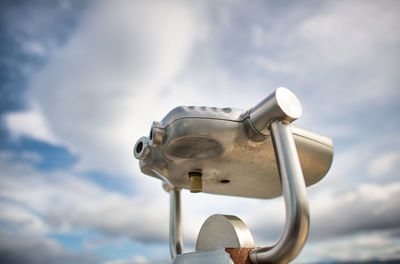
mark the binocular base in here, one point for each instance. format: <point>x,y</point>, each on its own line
<point>220,256</point>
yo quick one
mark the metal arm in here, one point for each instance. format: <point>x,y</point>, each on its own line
<point>175,224</point>
<point>294,192</point>
<point>284,107</point>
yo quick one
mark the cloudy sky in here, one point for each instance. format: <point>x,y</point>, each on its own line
<point>81,81</point>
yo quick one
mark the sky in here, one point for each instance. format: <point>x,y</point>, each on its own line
<point>81,81</point>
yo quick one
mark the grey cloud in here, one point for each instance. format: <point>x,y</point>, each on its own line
<point>41,202</point>
<point>18,248</point>
<point>359,162</point>
<point>368,208</point>
<point>367,247</point>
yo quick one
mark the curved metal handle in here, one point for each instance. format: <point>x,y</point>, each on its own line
<point>273,115</point>
<point>294,192</point>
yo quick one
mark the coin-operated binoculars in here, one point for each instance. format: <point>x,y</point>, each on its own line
<point>250,153</point>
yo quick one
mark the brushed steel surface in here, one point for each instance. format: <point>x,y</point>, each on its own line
<point>223,143</point>
<point>224,231</point>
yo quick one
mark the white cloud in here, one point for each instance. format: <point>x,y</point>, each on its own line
<point>346,32</point>
<point>136,260</point>
<point>31,123</point>
<point>274,66</point>
<point>383,164</point>
<point>103,89</point>
<point>360,38</point>
<point>22,220</point>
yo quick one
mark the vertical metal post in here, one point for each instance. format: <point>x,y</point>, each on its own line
<point>294,192</point>
<point>175,224</point>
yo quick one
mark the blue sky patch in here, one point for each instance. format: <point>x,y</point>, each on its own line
<point>41,155</point>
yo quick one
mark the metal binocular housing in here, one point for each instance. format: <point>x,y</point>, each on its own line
<point>251,153</point>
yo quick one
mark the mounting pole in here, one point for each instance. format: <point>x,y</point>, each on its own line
<point>175,223</point>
